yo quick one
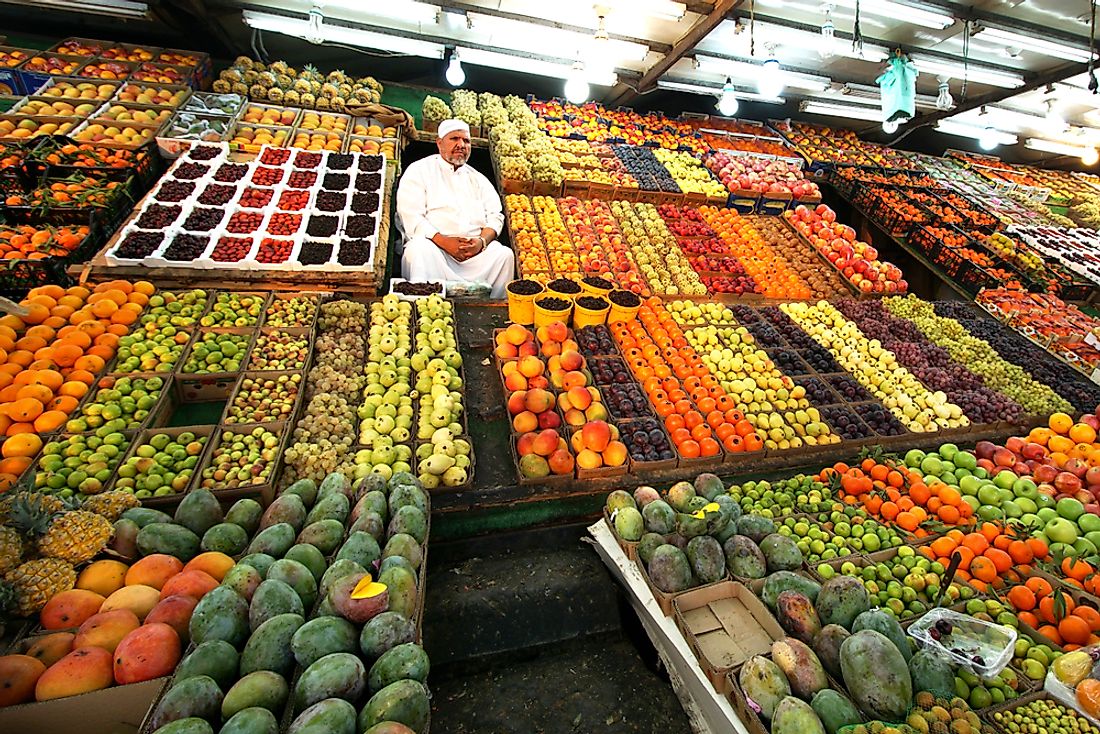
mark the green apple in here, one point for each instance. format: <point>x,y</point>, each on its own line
<point>1004,479</point>
<point>1024,487</point>
<point>988,494</point>
<point>913,458</point>
<point>1070,508</point>
<point>1093,536</point>
<point>1046,514</point>
<point>970,485</point>
<point>1061,530</point>
<point>1089,523</point>
<point>1085,547</point>
<point>931,465</point>
<point>965,460</point>
<point>1011,509</point>
<point>1027,505</point>
<point>1044,500</point>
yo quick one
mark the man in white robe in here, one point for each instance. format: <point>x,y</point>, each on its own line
<point>451,217</point>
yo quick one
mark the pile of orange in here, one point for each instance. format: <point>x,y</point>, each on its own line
<point>899,496</point>
<point>774,276</point>
<point>1064,440</point>
<point>1054,614</point>
<point>700,417</point>
<point>990,556</point>
<point>51,356</point>
<point>24,242</point>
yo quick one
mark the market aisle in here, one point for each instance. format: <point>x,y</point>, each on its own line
<point>528,633</point>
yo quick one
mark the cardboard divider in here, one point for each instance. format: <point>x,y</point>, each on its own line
<point>107,711</point>
<point>725,624</point>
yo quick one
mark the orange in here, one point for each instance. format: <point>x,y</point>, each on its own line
<point>1074,630</point>
<point>79,375</point>
<point>1021,598</point>
<point>24,445</point>
<point>1040,586</point>
<point>91,363</point>
<point>144,287</point>
<point>1060,423</point>
<point>17,464</point>
<point>50,378</point>
<point>1000,559</point>
<point>983,569</point>
<point>50,421</point>
<point>1082,433</point>
<point>36,313</point>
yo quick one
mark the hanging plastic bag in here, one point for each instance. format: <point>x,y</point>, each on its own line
<point>898,89</point>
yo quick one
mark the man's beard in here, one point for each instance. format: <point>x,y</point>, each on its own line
<point>456,159</point>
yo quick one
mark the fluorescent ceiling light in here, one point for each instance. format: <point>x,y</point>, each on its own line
<point>745,70</point>
<point>839,110</point>
<point>1031,43</point>
<point>725,38</point>
<point>1053,146</point>
<point>901,12</point>
<point>978,74</point>
<point>539,67</point>
<point>535,38</point>
<point>344,35</point>
<point>664,9</point>
<point>113,8</point>
<point>974,132</point>
<point>869,95</point>
<point>674,86</point>
<point>410,11</point>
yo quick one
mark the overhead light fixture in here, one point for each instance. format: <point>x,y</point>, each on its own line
<point>890,127</point>
<point>710,91</point>
<point>410,11</point>
<point>944,100</point>
<point>871,95</point>
<point>848,112</point>
<point>1058,148</point>
<point>1034,44</point>
<point>456,76</point>
<point>344,35</point>
<point>979,133</point>
<point>1091,156</point>
<point>901,12</point>
<point>746,70</point>
<point>520,35</point>
<point>576,88</point>
<point>978,74</point>
<point>559,69</point>
<point>1054,117</point>
<point>112,8</point>
<point>727,101</point>
<point>664,9</point>
<point>988,140</point>
<point>771,82</point>
<point>728,36</point>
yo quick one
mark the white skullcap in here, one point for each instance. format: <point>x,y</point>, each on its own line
<point>449,126</point>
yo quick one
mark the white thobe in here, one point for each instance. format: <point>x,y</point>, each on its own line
<point>434,197</point>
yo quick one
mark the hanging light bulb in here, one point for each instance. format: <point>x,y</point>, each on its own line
<point>890,127</point>
<point>828,34</point>
<point>944,101</point>
<point>1054,117</point>
<point>1091,156</point>
<point>456,76</point>
<point>576,88</point>
<point>771,78</point>
<point>599,59</point>
<point>315,31</point>
<point>988,139</point>
<point>727,102</point>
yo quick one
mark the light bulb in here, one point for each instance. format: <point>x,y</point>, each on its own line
<point>890,127</point>
<point>1090,157</point>
<point>771,79</point>
<point>456,77</point>
<point>828,38</point>
<point>576,88</point>
<point>727,102</point>
<point>944,100</point>
<point>1054,117</point>
<point>988,139</point>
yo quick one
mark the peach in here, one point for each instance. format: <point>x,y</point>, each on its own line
<point>525,422</point>
<point>175,611</point>
<point>596,412</point>
<point>69,609</point>
<point>589,459</point>
<point>549,419</point>
<point>213,563</point>
<point>139,599</point>
<point>551,349</point>
<point>614,454</point>
<point>517,402</point>
<point>154,570</point>
<point>579,398</point>
<point>574,417</point>
<point>18,676</point>
<point>554,364</point>
<point>509,368</point>
<point>576,441</point>
<point>596,435</point>
<point>561,462</point>
<point>574,379</point>
<point>540,383</point>
<point>595,393</point>
<point>570,345</point>
<point>195,584</point>
<point>515,381</point>
<point>530,366</point>
<point>546,442</point>
<point>557,379</point>
<point>150,651</point>
<point>506,351</point>
<point>51,648</point>
<point>557,331</point>
<point>542,334</point>
<point>81,671</point>
<point>527,349</point>
<point>103,577</point>
<point>106,629</point>
<point>538,400</point>
<point>516,334</point>
<point>525,444</point>
<point>571,361</point>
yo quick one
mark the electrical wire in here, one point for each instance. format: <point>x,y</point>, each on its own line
<point>857,34</point>
<point>752,28</point>
<point>1094,87</point>
<point>966,58</point>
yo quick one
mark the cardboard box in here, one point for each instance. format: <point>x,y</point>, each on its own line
<point>725,624</point>
<point>115,710</point>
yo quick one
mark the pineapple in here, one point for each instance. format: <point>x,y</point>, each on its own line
<point>240,88</point>
<point>75,536</point>
<point>278,67</point>
<point>339,104</point>
<point>221,86</point>
<point>259,66</point>
<point>47,502</point>
<point>283,81</point>
<point>291,97</point>
<point>315,88</point>
<point>36,582</point>
<point>111,505</point>
<point>309,71</point>
<point>323,103</point>
<point>243,62</point>
<point>308,100</point>
<point>257,91</point>
<point>250,77</point>
<point>328,91</point>
<point>231,75</point>
<point>266,79</point>
<point>11,549</point>
<point>275,95</point>
<point>302,86</point>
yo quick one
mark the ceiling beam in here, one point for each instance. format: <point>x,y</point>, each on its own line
<point>197,11</point>
<point>622,94</point>
<point>1042,79</point>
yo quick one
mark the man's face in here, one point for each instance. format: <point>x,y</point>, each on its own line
<point>455,147</point>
